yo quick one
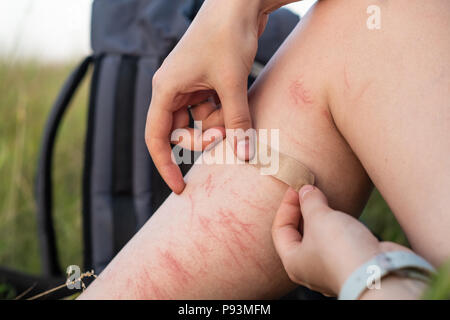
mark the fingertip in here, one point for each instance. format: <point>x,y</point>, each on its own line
<point>212,137</point>
<point>178,187</point>
<point>291,191</point>
<point>291,196</point>
<point>171,174</point>
<point>304,191</point>
<point>312,200</point>
<point>245,150</point>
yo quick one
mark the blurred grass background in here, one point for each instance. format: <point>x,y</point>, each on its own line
<point>27,91</point>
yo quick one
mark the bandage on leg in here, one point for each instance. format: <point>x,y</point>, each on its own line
<point>290,171</point>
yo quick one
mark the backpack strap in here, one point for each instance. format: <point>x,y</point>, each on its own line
<point>49,254</point>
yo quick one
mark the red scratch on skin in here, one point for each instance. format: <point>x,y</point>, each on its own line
<point>157,292</point>
<point>346,82</point>
<point>227,180</point>
<point>248,202</point>
<point>208,185</point>
<point>147,283</point>
<point>244,226</point>
<point>192,203</point>
<point>191,215</point>
<point>226,263</point>
<point>233,231</point>
<point>170,263</point>
<point>299,94</point>
<point>302,146</point>
<point>238,230</point>
<point>201,248</point>
<point>203,251</point>
<point>205,225</point>
<point>204,257</point>
<point>347,86</point>
<point>226,282</point>
<point>231,251</point>
<point>363,90</point>
<point>327,115</point>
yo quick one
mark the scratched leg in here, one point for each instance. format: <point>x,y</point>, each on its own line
<point>213,241</point>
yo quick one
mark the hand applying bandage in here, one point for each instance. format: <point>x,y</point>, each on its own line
<point>322,248</point>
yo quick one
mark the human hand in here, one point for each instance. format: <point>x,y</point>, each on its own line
<point>210,63</point>
<point>320,247</point>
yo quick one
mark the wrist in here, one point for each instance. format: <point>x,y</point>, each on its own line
<point>268,6</point>
<point>394,287</point>
<point>253,6</point>
<point>406,267</point>
<point>232,12</point>
<point>353,261</point>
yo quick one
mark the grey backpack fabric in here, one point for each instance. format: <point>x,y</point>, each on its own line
<point>121,187</point>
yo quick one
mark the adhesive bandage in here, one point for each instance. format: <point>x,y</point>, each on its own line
<point>290,171</point>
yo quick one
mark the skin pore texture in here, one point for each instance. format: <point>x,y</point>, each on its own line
<point>329,83</point>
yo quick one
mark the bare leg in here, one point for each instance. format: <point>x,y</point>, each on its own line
<point>214,240</point>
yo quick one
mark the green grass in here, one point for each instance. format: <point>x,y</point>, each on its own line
<point>379,218</point>
<point>27,91</point>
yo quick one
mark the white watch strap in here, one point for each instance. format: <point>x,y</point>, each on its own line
<point>387,262</point>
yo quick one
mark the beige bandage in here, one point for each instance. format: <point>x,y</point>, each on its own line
<point>290,171</point>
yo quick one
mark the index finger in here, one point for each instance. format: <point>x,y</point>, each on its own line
<point>285,233</point>
<point>157,131</point>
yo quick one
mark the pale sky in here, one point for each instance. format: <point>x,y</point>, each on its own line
<point>55,30</point>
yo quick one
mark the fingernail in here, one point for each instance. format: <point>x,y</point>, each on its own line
<point>216,141</point>
<point>304,190</point>
<point>245,150</point>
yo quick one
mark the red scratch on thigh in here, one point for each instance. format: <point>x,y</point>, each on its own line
<point>226,282</point>
<point>192,213</point>
<point>204,258</point>
<point>248,202</point>
<point>231,251</point>
<point>239,233</point>
<point>225,230</point>
<point>302,146</point>
<point>203,251</point>
<point>362,91</point>
<point>346,82</point>
<point>244,226</point>
<point>170,263</point>
<point>347,87</point>
<point>227,180</point>
<point>299,94</point>
<point>209,187</point>
<point>205,225</point>
<point>147,283</point>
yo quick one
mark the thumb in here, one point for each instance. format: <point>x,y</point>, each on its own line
<point>236,115</point>
<point>312,202</point>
